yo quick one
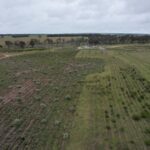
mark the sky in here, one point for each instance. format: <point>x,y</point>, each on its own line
<point>74,16</point>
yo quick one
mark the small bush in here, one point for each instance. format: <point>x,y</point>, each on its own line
<point>147,142</point>
<point>67,97</point>
<point>44,121</point>
<point>122,129</point>
<point>37,98</point>
<point>132,142</point>
<point>108,127</point>
<point>57,122</point>
<point>113,120</point>
<point>1,98</point>
<point>18,99</point>
<point>56,89</point>
<point>136,117</point>
<point>72,109</point>
<point>18,86</point>
<point>145,114</point>
<point>43,105</point>
<point>65,136</point>
<point>147,131</point>
<point>37,90</point>
<point>17,122</point>
<point>118,115</point>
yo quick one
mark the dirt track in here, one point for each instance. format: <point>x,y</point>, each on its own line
<point>13,54</point>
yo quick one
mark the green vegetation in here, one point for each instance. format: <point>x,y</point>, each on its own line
<point>74,99</point>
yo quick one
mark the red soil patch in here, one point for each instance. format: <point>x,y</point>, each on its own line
<point>23,91</point>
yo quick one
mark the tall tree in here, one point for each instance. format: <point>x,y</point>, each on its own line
<point>8,43</point>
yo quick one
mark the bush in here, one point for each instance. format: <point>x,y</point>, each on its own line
<point>132,142</point>
<point>136,117</point>
<point>108,127</point>
<point>17,122</point>
<point>43,105</point>
<point>145,114</point>
<point>57,122</point>
<point>122,129</point>
<point>67,97</point>
<point>18,99</point>
<point>37,98</point>
<point>1,98</point>
<point>65,136</point>
<point>147,142</point>
<point>147,131</point>
<point>44,121</point>
<point>72,109</point>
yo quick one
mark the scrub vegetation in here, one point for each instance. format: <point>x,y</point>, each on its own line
<point>76,99</point>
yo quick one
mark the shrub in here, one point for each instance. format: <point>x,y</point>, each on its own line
<point>145,114</point>
<point>44,121</point>
<point>72,109</point>
<point>57,122</point>
<point>132,142</point>
<point>18,99</point>
<point>17,122</point>
<point>43,105</point>
<point>118,115</point>
<point>67,97</point>
<point>65,136</point>
<point>147,142</point>
<point>56,88</point>
<point>113,120</point>
<point>147,131</point>
<point>1,98</point>
<point>122,129</point>
<point>136,117</point>
<point>108,127</point>
<point>18,86</point>
<point>37,98</point>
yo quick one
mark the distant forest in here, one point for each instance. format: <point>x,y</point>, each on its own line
<point>47,40</point>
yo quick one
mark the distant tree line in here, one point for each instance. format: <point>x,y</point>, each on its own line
<point>77,40</point>
<point>118,39</point>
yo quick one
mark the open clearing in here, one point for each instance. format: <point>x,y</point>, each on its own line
<point>70,99</point>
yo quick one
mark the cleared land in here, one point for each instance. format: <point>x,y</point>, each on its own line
<point>72,99</point>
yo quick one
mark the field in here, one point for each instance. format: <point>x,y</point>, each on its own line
<point>71,99</point>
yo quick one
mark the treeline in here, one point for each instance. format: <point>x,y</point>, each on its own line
<point>74,39</point>
<point>49,42</point>
<point>118,39</point>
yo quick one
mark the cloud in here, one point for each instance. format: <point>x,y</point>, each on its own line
<point>74,16</point>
